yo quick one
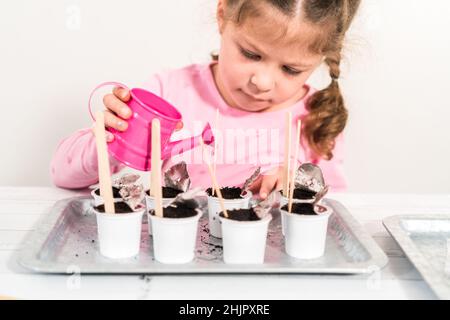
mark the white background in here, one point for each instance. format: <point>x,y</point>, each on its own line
<point>395,79</point>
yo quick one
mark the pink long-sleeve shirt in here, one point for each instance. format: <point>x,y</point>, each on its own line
<point>245,140</point>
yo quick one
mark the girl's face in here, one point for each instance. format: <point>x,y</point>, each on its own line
<point>258,69</point>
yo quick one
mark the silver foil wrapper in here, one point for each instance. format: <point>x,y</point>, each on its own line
<point>190,199</point>
<point>321,194</point>
<point>133,195</point>
<point>250,181</point>
<point>177,177</point>
<point>309,177</point>
<point>263,208</point>
<point>126,179</point>
<point>130,190</point>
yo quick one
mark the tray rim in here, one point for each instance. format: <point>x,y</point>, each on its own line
<point>32,243</point>
<point>400,235</point>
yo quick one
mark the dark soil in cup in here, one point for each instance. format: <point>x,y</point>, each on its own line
<point>306,209</point>
<point>115,190</point>
<point>177,212</point>
<point>120,207</point>
<point>229,193</point>
<point>302,194</point>
<point>168,192</point>
<point>241,215</point>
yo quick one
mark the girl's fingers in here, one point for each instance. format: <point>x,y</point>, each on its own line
<point>279,185</point>
<point>256,185</point>
<point>280,174</point>
<point>122,93</point>
<point>117,106</point>
<point>267,185</point>
<point>112,121</point>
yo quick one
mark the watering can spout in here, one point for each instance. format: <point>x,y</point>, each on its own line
<point>175,148</point>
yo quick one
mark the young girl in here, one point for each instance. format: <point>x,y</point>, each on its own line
<point>269,49</point>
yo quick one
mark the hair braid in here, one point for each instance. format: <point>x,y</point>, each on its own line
<point>328,115</point>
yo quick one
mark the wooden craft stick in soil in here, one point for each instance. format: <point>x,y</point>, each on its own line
<point>104,172</point>
<point>287,154</point>
<point>214,181</point>
<point>215,144</point>
<point>294,165</point>
<point>155,187</point>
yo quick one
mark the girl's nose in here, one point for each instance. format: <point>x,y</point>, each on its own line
<point>263,82</point>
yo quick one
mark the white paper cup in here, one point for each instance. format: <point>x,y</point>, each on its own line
<point>214,209</point>
<point>306,235</point>
<point>244,242</point>
<point>119,235</point>
<point>285,201</point>
<point>150,204</point>
<point>98,200</point>
<point>174,239</point>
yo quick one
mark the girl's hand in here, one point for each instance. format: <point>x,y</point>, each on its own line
<point>117,111</point>
<point>267,182</point>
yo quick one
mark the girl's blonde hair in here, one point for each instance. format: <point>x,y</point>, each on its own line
<point>327,115</point>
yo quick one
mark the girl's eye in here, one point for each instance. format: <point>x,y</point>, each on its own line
<point>250,55</point>
<point>291,71</point>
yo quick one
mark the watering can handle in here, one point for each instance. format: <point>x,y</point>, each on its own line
<point>104,84</point>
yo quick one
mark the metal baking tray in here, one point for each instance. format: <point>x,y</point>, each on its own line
<point>425,239</point>
<point>66,240</point>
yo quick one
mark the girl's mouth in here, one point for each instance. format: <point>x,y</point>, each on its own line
<point>252,98</point>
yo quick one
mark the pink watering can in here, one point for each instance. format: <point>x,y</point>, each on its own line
<point>133,146</point>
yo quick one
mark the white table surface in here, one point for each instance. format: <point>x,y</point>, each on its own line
<point>22,207</point>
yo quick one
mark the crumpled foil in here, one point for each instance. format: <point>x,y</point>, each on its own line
<point>131,192</point>
<point>126,179</point>
<point>189,199</point>
<point>133,195</point>
<point>250,180</point>
<point>319,195</point>
<point>177,177</point>
<point>263,208</point>
<point>309,177</point>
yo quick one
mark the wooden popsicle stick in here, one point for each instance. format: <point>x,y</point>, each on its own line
<point>104,172</point>
<point>214,181</point>
<point>287,154</point>
<point>295,160</point>
<point>156,188</point>
<point>151,192</point>
<point>215,145</point>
